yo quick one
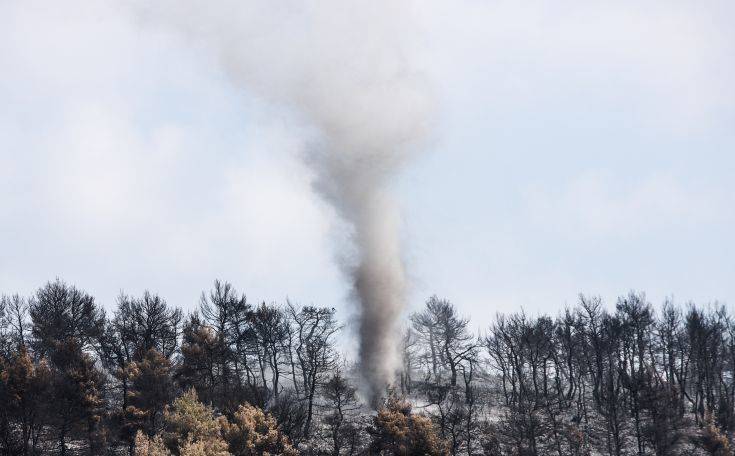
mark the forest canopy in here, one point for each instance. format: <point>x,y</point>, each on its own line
<point>238,378</point>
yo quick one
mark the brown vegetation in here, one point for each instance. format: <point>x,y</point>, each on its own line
<point>237,379</point>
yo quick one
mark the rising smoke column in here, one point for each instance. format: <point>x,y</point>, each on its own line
<point>349,69</point>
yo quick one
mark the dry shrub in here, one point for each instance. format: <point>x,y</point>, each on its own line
<point>396,431</point>
<point>254,432</point>
<point>145,446</point>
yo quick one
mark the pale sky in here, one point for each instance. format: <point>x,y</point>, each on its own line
<point>579,147</point>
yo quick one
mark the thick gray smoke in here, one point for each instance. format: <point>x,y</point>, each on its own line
<point>348,68</point>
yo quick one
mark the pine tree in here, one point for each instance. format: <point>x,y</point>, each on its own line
<point>199,351</point>
<point>342,399</point>
<point>24,390</point>
<point>77,404</point>
<point>61,313</point>
<point>151,389</point>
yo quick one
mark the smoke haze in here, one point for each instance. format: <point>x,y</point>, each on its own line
<point>349,70</point>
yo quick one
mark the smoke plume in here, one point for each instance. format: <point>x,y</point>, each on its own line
<point>349,69</point>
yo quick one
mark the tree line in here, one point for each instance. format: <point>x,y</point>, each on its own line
<point>236,378</point>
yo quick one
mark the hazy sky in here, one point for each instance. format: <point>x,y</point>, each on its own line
<point>579,147</point>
